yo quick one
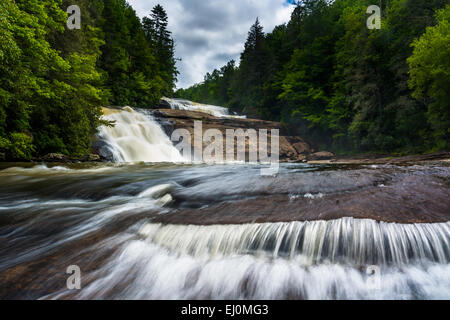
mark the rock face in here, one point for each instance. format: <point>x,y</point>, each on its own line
<point>417,194</point>
<point>62,158</point>
<point>55,157</point>
<point>323,155</point>
<point>292,149</point>
<point>101,149</point>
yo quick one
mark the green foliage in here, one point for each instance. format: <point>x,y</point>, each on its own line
<point>160,38</point>
<point>216,88</point>
<point>430,75</point>
<point>324,75</point>
<point>27,61</point>
<point>20,147</point>
<point>247,88</point>
<point>342,86</point>
<point>53,81</point>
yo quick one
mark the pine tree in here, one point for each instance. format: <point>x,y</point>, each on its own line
<point>134,75</point>
<point>160,38</point>
<point>50,95</point>
<point>248,84</point>
<point>329,78</point>
<point>53,81</point>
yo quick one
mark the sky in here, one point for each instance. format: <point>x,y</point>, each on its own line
<point>209,33</point>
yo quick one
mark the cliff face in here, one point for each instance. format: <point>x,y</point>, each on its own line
<point>292,149</point>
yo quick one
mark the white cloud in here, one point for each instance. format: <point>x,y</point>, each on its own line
<point>210,33</point>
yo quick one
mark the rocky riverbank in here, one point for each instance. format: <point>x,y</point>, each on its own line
<point>292,148</point>
<point>62,158</point>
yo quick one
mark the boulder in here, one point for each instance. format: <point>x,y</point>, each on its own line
<point>92,158</point>
<point>292,148</point>
<point>322,155</point>
<point>302,147</point>
<point>101,149</point>
<point>55,157</point>
<point>163,104</point>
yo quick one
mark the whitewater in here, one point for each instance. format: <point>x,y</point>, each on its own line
<point>153,226</point>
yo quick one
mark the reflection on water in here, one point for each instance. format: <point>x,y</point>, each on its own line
<point>106,218</point>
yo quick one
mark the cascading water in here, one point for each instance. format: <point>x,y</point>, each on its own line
<point>180,104</point>
<point>348,241</point>
<point>136,137</point>
<point>297,260</point>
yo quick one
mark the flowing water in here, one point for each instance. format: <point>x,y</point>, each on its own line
<point>136,137</point>
<point>165,229</point>
<point>180,104</point>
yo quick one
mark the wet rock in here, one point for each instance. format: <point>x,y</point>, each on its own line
<point>292,149</point>
<point>92,158</point>
<point>402,198</point>
<point>62,158</point>
<point>55,157</point>
<point>302,147</point>
<point>323,155</point>
<point>102,150</point>
<point>167,125</point>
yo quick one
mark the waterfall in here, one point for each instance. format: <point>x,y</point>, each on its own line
<point>347,241</point>
<point>220,112</point>
<point>295,260</point>
<point>137,137</point>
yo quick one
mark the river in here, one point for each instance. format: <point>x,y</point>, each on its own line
<point>162,229</point>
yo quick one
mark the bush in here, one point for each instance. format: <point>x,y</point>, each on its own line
<point>19,146</point>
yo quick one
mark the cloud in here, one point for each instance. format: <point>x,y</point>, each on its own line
<point>210,33</point>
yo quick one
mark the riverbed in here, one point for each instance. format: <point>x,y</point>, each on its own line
<point>184,231</point>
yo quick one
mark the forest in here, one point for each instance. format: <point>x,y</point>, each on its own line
<point>324,75</point>
<point>329,78</point>
<point>54,80</point>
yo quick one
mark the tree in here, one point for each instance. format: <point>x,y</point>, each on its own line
<point>248,84</point>
<point>53,81</point>
<point>330,79</point>
<point>160,38</point>
<point>134,74</point>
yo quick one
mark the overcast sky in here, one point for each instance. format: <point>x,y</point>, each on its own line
<point>209,33</point>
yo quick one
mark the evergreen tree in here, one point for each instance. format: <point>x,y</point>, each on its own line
<point>248,85</point>
<point>53,81</point>
<point>329,78</point>
<point>323,74</point>
<point>160,38</point>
